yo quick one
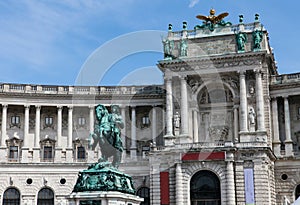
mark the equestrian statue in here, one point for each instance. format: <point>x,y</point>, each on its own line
<point>107,134</point>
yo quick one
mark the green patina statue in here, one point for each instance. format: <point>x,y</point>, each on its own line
<point>257,38</point>
<point>104,175</point>
<point>241,39</point>
<point>168,48</point>
<point>107,133</point>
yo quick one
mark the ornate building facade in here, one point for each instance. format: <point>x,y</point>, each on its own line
<point>223,129</point>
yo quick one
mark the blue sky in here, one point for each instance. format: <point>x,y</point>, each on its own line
<point>49,41</point>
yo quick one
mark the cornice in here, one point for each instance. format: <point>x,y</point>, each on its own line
<point>216,62</point>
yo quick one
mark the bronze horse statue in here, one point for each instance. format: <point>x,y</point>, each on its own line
<point>107,134</point>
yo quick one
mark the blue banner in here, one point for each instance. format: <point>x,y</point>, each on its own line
<point>249,186</point>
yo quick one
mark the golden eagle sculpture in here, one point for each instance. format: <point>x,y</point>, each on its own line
<point>212,18</point>
<point>212,21</point>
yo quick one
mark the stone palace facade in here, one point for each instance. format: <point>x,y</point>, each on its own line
<point>223,129</point>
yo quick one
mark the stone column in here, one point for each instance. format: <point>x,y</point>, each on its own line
<point>236,122</point>
<point>179,186</point>
<point>154,127</point>
<point>4,124</point>
<point>196,129</point>
<point>184,107</point>
<point>70,127</point>
<point>37,126</point>
<point>123,131</point>
<point>230,181</point>
<point>92,119</point>
<point>59,126</point>
<point>243,103</point>
<point>287,124</point>
<point>26,126</point>
<point>260,103</point>
<point>133,133</point>
<point>276,140</point>
<point>37,138</point>
<point>169,107</point>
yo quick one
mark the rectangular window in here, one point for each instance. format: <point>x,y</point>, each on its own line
<point>48,121</point>
<point>80,153</point>
<point>15,120</point>
<point>81,121</point>
<point>47,152</point>
<point>13,152</point>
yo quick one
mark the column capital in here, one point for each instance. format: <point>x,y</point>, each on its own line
<point>241,72</point>
<point>183,77</point>
<point>59,107</point>
<point>70,107</point>
<point>168,78</point>
<point>257,70</point>
<point>4,105</point>
<point>91,106</point>
<point>37,107</point>
<point>133,106</point>
<point>27,106</point>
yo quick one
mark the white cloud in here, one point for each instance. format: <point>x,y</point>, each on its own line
<point>193,3</point>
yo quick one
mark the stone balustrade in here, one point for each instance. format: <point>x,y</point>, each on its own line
<point>82,90</point>
<point>285,79</point>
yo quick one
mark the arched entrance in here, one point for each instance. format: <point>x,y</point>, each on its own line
<point>205,189</point>
<point>11,197</point>
<point>297,192</point>
<point>45,197</point>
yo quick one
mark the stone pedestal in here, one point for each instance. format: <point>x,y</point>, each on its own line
<point>103,184</point>
<point>104,198</point>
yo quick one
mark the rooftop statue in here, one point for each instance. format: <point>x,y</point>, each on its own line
<point>211,21</point>
<point>212,18</point>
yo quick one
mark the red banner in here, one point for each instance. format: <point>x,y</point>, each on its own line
<point>199,156</point>
<point>164,188</point>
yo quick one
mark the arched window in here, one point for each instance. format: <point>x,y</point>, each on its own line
<point>45,197</point>
<point>11,197</point>
<point>144,192</point>
<point>205,189</point>
<point>297,192</point>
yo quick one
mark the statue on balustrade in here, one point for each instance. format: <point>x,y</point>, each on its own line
<point>107,133</point>
<point>241,39</point>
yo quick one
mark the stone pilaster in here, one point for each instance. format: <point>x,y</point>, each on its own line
<point>4,125</point>
<point>288,141</point>
<point>261,182</point>
<point>260,103</point>
<point>276,140</point>
<point>26,126</point>
<point>133,133</point>
<point>91,117</point>
<point>154,127</point>
<point>240,183</point>
<point>195,125</point>
<point>69,149</point>
<point>123,131</point>
<point>59,126</point>
<point>236,122</point>
<point>243,103</point>
<point>184,108</point>
<point>179,186</point>
<point>37,139</point>
<point>169,137</point>
<point>3,148</point>
<point>230,180</point>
